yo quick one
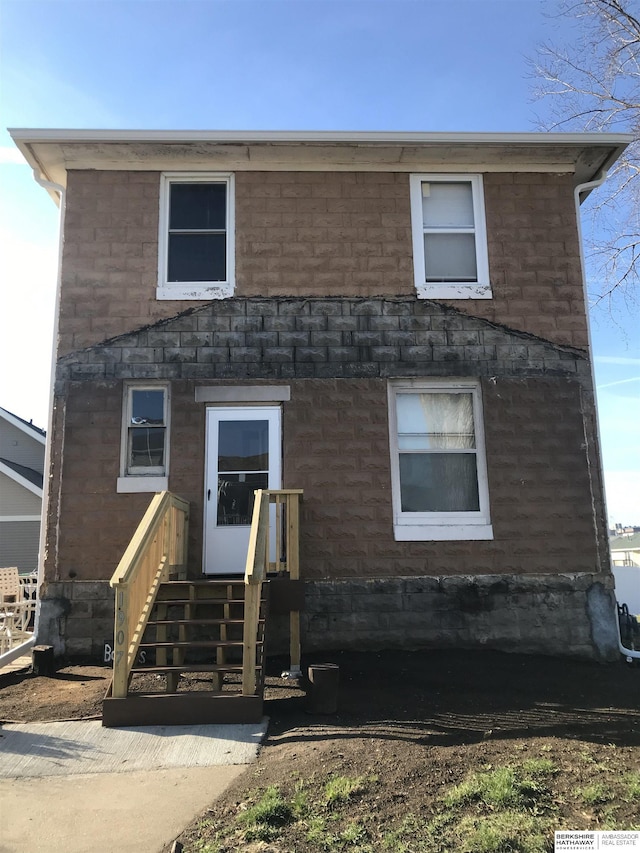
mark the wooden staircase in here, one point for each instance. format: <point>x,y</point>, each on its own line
<point>189,664</point>
<point>189,652</point>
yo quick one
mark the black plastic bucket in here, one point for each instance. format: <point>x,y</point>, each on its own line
<point>322,696</point>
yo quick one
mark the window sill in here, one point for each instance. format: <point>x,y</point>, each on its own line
<point>441,533</point>
<point>221,290</point>
<point>128,485</point>
<point>454,291</point>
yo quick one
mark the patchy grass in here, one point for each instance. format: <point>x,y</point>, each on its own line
<point>338,790</point>
<point>265,818</point>
<point>596,794</point>
<point>513,808</point>
<point>633,786</point>
<point>436,753</point>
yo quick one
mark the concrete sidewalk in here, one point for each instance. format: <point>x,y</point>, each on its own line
<point>79,788</point>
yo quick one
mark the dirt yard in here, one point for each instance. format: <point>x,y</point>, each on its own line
<point>430,751</point>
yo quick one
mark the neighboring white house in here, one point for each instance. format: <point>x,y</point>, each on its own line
<point>625,561</point>
<point>22,447</point>
<point>625,550</point>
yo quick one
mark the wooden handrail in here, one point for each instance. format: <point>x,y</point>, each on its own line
<point>287,559</point>
<point>157,549</point>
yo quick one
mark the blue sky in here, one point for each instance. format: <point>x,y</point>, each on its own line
<point>273,64</point>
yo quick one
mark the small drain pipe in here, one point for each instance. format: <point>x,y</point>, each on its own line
<point>582,189</point>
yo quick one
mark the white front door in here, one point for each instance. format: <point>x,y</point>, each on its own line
<point>243,454</point>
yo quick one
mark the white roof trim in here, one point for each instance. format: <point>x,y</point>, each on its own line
<point>20,480</point>
<point>53,152</point>
<point>322,136</point>
<point>27,429</point>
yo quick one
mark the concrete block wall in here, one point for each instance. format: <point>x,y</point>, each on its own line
<point>318,234</point>
<point>569,615</point>
<point>77,618</point>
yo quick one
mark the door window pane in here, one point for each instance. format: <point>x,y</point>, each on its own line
<point>236,497</point>
<point>243,446</point>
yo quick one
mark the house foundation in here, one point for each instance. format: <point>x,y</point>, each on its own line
<point>570,615</point>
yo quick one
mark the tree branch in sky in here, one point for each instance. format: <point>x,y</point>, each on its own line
<point>593,84</point>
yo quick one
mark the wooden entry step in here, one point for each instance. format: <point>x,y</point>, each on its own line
<point>161,709</point>
<point>201,644</point>
<point>200,667</point>
<point>178,622</point>
<point>194,627</point>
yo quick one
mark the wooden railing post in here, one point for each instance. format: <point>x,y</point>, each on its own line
<point>121,644</point>
<point>293,564</point>
<point>287,516</point>
<point>257,557</point>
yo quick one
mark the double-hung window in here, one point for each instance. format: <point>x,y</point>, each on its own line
<point>449,237</point>
<point>196,237</point>
<point>438,464</point>
<point>144,463</point>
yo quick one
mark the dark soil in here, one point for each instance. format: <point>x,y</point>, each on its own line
<point>412,723</point>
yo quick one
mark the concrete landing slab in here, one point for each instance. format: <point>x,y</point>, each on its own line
<point>80,747</point>
<point>80,788</point>
<point>138,812</point>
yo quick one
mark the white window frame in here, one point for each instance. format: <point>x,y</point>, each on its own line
<point>480,289</point>
<point>195,289</point>
<point>143,479</point>
<point>437,526</point>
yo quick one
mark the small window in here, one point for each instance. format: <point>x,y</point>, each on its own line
<point>145,446</point>
<point>438,464</point>
<point>196,237</point>
<point>449,237</point>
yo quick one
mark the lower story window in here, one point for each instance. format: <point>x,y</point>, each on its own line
<point>438,462</point>
<point>144,460</point>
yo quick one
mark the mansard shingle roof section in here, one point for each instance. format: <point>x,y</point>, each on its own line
<point>292,338</point>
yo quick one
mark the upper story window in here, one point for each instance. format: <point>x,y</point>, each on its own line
<point>449,237</point>
<point>439,474</point>
<point>197,247</point>
<point>144,462</point>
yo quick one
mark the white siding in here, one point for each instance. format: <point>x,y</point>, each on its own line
<point>16,500</point>
<point>19,544</point>
<point>19,447</point>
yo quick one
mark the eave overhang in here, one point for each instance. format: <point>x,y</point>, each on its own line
<point>52,153</point>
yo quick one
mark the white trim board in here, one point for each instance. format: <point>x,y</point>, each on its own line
<point>19,518</point>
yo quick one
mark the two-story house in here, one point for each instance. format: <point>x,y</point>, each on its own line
<point>393,323</point>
